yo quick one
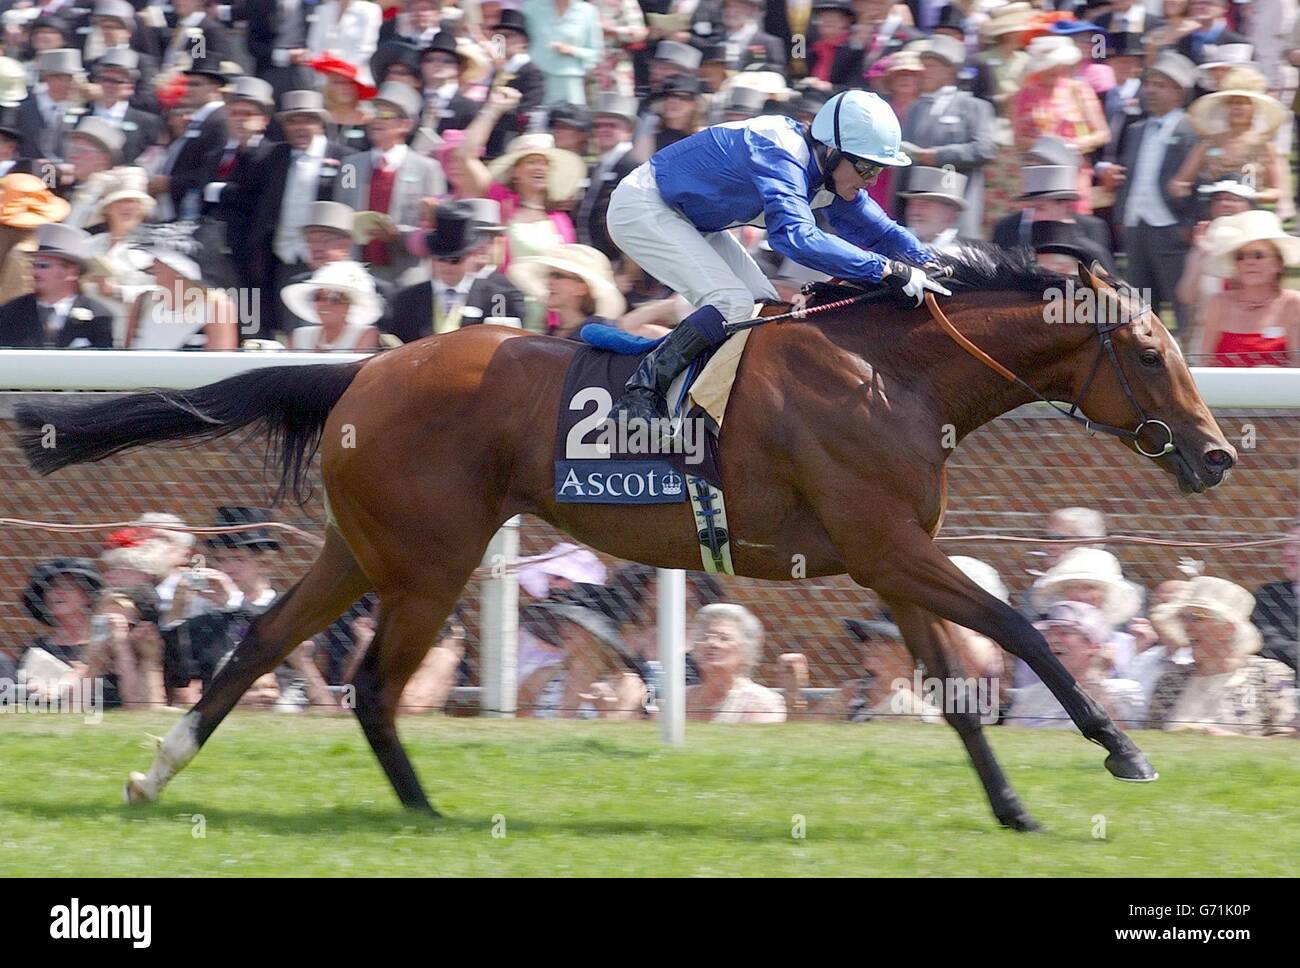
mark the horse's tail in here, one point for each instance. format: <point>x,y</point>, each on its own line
<point>288,403</point>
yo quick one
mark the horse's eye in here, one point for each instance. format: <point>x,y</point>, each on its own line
<point>1150,358</point>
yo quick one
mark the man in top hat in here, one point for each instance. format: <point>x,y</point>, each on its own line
<point>56,314</point>
<point>1155,225</point>
<point>461,290</point>
<point>115,32</point>
<point>741,102</point>
<point>613,122</point>
<point>1049,194</point>
<point>975,74</point>
<point>570,126</point>
<point>672,59</point>
<point>197,35</point>
<point>115,74</point>
<point>54,106</point>
<point>93,147</point>
<point>415,23</point>
<point>277,43</point>
<point>391,179</point>
<point>1062,247</point>
<point>446,107</point>
<point>934,201</point>
<point>735,24</point>
<point>517,70</point>
<point>950,127</point>
<point>1125,54</point>
<point>184,169</point>
<point>269,195</point>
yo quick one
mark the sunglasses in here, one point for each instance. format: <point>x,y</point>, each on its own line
<point>1257,255</point>
<point>865,169</point>
<point>329,296</point>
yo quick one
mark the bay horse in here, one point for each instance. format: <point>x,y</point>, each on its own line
<point>832,455</point>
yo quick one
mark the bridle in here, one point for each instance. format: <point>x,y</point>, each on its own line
<point>1105,349</point>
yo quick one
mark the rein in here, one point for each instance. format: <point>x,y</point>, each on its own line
<point>1106,349</point>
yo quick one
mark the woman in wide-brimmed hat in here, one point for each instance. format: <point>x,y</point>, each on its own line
<point>341,305</point>
<point>1094,576</point>
<point>26,203</point>
<point>1236,128</point>
<point>575,283</point>
<point>345,87</point>
<point>1051,101</point>
<point>179,312</point>
<point>1225,688</point>
<point>1257,321</point>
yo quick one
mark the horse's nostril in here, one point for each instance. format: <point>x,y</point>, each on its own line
<point>1219,460</point>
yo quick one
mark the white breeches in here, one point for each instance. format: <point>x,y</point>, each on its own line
<point>708,269</point>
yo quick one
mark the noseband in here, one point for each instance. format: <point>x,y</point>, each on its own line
<point>1105,349</point>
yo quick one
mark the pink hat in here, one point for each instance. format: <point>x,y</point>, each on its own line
<point>565,560</point>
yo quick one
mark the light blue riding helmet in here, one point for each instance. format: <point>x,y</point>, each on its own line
<point>861,124</point>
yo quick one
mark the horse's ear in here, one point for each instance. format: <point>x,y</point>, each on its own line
<point>1100,274</point>
<point>1092,277</point>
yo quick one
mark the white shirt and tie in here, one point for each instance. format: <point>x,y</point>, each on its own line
<point>53,316</point>
<point>301,186</point>
<point>1145,202</point>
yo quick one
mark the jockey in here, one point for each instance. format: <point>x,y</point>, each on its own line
<point>671,215</point>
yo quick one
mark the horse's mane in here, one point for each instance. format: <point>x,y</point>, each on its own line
<point>976,267</point>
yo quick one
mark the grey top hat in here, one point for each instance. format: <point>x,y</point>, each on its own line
<point>1049,181</point>
<point>120,57</point>
<point>330,215</point>
<point>65,60</point>
<point>402,97</point>
<point>117,9</point>
<point>246,88</point>
<point>683,55</point>
<point>64,241</point>
<point>106,134</point>
<point>615,105</point>
<point>1050,150</point>
<point>745,100</point>
<point>945,48</point>
<point>303,102</point>
<point>487,213</point>
<point>1176,67</point>
<point>941,183</point>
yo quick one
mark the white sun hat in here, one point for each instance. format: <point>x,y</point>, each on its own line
<point>1228,234</point>
<point>1209,114</point>
<point>350,277</point>
<point>1217,597</point>
<point>1051,51</point>
<point>590,265</point>
<point>984,575</point>
<point>564,176</point>
<point>1122,599</point>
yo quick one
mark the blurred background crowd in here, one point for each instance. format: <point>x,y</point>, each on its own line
<point>158,613</point>
<point>288,174</point>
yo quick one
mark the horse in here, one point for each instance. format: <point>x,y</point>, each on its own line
<point>832,453</point>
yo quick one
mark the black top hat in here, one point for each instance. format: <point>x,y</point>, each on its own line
<point>569,115</point>
<point>455,231</point>
<point>206,67</point>
<point>82,569</point>
<point>394,52</point>
<point>1063,238</point>
<point>1124,45</point>
<point>259,539</point>
<point>9,122</point>
<point>444,42</point>
<point>871,630</point>
<point>950,18</point>
<point>512,19</point>
<point>843,6</point>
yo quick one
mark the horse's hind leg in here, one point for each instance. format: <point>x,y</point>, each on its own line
<point>928,640</point>
<point>334,582</point>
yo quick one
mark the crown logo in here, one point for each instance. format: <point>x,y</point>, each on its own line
<point>672,483</point>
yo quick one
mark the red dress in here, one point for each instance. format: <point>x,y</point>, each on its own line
<point>1250,349</point>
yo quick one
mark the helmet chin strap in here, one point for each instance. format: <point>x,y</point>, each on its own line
<point>828,159</point>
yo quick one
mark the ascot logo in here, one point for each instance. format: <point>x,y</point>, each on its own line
<point>102,922</point>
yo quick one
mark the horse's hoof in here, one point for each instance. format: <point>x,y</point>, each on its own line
<point>1131,766</point>
<point>137,790</point>
<point>1021,822</point>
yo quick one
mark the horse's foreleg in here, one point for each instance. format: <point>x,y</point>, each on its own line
<point>334,582</point>
<point>913,569</point>
<point>927,639</point>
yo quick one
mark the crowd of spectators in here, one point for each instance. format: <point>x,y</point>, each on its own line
<point>157,615</point>
<point>346,175</point>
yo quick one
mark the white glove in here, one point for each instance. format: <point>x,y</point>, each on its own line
<point>912,282</point>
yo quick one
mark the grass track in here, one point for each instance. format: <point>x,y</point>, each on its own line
<point>303,796</point>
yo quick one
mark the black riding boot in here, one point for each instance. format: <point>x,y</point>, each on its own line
<point>644,395</point>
